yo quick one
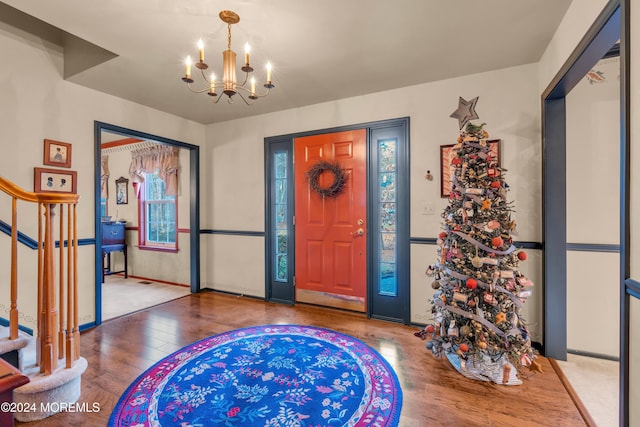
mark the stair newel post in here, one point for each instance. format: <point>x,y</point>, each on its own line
<point>61,283</point>
<point>71,267</point>
<point>13,311</point>
<point>76,325</point>
<point>49,349</point>
<point>40,293</point>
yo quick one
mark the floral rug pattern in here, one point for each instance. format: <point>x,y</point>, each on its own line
<point>271,376</point>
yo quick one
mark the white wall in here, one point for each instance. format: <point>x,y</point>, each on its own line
<point>509,103</point>
<point>575,24</point>
<point>634,335</point>
<point>593,157</point>
<point>593,210</point>
<point>36,103</point>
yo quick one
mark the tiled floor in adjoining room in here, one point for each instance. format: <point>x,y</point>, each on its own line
<point>596,383</point>
<point>121,296</point>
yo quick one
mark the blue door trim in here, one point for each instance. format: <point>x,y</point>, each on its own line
<point>194,204</point>
<point>403,197</point>
<point>278,291</point>
<point>381,306</point>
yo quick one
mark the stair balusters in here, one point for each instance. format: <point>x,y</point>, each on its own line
<point>57,326</point>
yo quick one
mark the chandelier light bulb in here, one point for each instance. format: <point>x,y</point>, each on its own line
<point>188,64</point>
<point>201,50</point>
<point>269,68</point>
<point>247,49</point>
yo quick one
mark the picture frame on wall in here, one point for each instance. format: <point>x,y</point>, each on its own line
<point>122,191</point>
<point>57,153</point>
<point>55,181</point>
<point>447,153</point>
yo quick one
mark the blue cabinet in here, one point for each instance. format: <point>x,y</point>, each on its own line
<point>113,240</point>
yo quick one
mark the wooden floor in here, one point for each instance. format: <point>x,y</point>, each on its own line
<point>433,393</point>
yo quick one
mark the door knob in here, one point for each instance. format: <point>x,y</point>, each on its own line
<point>358,232</point>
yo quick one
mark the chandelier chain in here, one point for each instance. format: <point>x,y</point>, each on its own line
<point>229,36</point>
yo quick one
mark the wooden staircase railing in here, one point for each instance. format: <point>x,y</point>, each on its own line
<point>58,333</point>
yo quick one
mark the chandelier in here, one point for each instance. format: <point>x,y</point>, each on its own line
<point>229,83</point>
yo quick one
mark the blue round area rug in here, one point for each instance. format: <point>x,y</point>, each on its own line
<point>271,376</point>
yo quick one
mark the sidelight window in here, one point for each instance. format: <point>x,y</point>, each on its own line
<point>387,209</point>
<point>280,232</point>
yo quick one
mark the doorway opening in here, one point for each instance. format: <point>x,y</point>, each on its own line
<point>149,215</point>
<point>609,29</point>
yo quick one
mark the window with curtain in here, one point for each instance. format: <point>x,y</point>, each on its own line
<point>154,174</point>
<point>157,159</point>
<point>158,212</point>
<point>104,188</point>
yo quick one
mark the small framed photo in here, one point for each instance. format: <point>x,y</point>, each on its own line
<point>57,153</point>
<point>54,181</point>
<point>447,168</point>
<point>122,191</point>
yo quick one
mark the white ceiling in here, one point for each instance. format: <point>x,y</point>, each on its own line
<point>321,50</point>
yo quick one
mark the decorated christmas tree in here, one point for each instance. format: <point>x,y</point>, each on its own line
<point>476,308</point>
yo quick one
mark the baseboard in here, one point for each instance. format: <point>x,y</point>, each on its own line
<point>232,294</point>
<point>593,355</point>
<point>164,282</point>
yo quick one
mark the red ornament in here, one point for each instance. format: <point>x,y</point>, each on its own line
<point>472,283</point>
<point>497,242</point>
<point>442,235</point>
<point>495,184</point>
<point>429,329</point>
<point>522,256</point>
<point>464,347</point>
<point>456,161</point>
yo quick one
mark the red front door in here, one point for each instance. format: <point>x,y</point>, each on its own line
<point>331,243</point>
